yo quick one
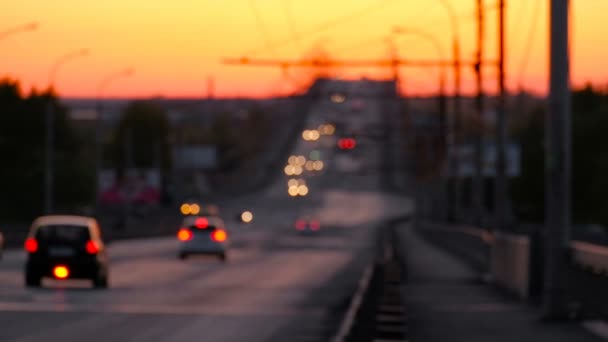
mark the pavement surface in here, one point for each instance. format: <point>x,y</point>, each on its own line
<point>276,285</point>
<point>446,301</point>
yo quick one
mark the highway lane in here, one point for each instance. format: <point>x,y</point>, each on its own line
<point>276,285</point>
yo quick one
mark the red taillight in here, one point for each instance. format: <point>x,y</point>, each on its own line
<point>31,245</point>
<point>201,223</point>
<point>315,225</point>
<point>92,247</point>
<point>184,234</point>
<point>347,143</point>
<point>61,272</point>
<point>300,224</point>
<point>219,235</point>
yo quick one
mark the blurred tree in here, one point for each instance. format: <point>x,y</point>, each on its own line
<point>143,136</point>
<point>589,161</point>
<point>22,139</point>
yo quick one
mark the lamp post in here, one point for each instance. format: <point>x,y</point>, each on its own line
<point>33,26</point>
<point>50,139</point>
<point>457,119</point>
<point>442,96</point>
<point>99,128</point>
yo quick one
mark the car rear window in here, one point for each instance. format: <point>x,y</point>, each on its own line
<point>63,233</point>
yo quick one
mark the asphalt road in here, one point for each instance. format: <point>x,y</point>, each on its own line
<point>275,286</point>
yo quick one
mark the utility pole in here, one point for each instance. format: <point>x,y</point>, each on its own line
<point>457,133</point>
<point>557,165</point>
<point>49,156</point>
<point>501,192</point>
<point>478,177</point>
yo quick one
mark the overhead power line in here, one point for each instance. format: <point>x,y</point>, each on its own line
<point>261,26</point>
<point>324,26</point>
<point>292,25</point>
<point>525,58</point>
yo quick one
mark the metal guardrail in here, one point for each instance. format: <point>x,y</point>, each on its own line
<point>376,311</point>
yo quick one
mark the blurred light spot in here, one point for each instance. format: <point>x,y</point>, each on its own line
<point>300,224</point>
<point>291,160</point>
<point>201,223</point>
<point>31,245</point>
<point>300,161</point>
<point>61,272</point>
<point>338,98</point>
<point>297,170</point>
<point>184,234</point>
<point>185,209</point>
<point>318,165</point>
<point>314,155</point>
<point>219,235</point>
<point>247,216</point>
<point>301,181</point>
<point>195,209</point>
<point>290,170</point>
<point>309,165</point>
<point>315,225</point>
<point>302,190</point>
<point>293,191</point>
<point>306,135</point>
<point>292,182</point>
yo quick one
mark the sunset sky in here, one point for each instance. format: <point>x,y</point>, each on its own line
<point>176,45</point>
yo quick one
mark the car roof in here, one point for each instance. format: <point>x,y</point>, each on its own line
<point>69,220</point>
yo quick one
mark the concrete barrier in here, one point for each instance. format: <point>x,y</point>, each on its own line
<point>590,257</point>
<point>510,263</point>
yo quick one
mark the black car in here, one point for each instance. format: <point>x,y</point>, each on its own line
<point>66,247</point>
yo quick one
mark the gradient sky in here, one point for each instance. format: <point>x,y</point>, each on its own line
<point>176,45</point>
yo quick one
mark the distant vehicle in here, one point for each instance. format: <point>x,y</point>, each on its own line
<point>203,235</point>
<point>194,209</point>
<point>1,245</point>
<point>66,247</point>
<point>307,225</point>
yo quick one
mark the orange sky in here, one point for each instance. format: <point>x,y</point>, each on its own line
<point>175,45</point>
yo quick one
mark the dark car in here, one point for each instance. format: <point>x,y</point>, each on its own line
<point>66,247</point>
<point>307,225</point>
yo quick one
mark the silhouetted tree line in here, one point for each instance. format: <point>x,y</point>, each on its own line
<point>589,161</point>
<point>22,153</point>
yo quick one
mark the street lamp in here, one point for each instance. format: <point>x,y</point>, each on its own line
<point>50,118</point>
<point>440,53</point>
<point>457,104</point>
<point>33,26</point>
<point>99,128</point>
<point>442,94</point>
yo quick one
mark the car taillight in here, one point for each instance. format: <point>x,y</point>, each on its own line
<point>219,235</point>
<point>184,234</point>
<point>31,245</point>
<point>201,223</point>
<point>92,247</point>
<point>300,224</point>
<point>61,272</point>
<point>315,225</point>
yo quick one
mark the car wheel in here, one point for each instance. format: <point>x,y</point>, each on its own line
<point>223,257</point>
<point>32,280</point>
<point>100,282</point>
